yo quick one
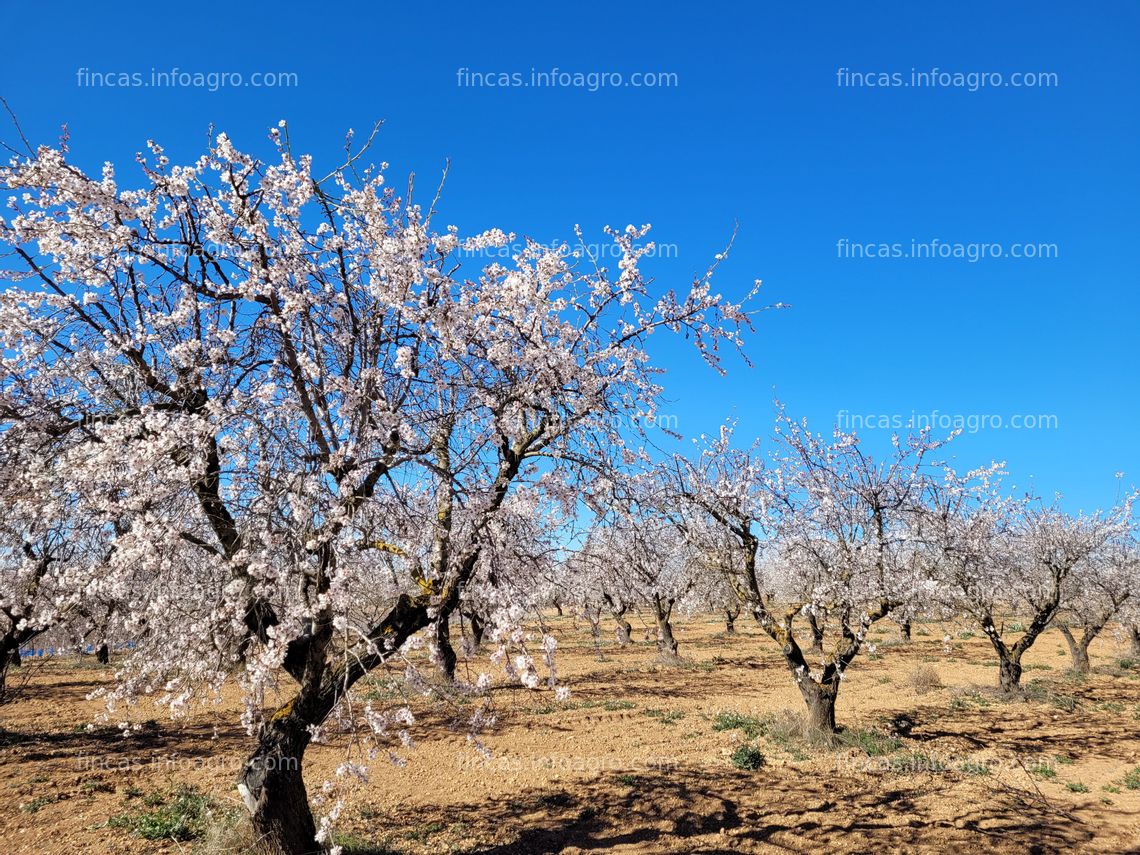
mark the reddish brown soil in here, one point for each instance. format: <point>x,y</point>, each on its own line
<point>633,763</point>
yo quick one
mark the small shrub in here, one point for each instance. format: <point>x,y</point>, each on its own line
<point>1132,778</point>
<point>1042,770</point>
<point>665,717</point>
<point>1076,787</point>
<point>748,758</point>
<point>924,679</point>
<point>35,804</point>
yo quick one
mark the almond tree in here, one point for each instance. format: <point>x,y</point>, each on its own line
<point>996,555</point>
<point>1100,591</point>
<point>265,374</point>
<point>641,557</point>
<point>818,526</point>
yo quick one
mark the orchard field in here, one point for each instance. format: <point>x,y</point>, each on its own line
<point>704,755</point>
<point>340,514</point>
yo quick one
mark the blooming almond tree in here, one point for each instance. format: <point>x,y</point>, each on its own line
<point>273,383</point>
<point>819,528</point>
<point>640,557</point>
<point>1101,589</point>
<point>996,555</point>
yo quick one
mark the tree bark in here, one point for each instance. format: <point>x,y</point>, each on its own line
<point>445,653</point>
<point>904,630</point>
<point>666,643</point>
<point>1078,649</point>
<point>1134,632</point>
<point>816,633</point>
<point>821,707</point>
<point>618,611</point>
<point>730,616</point>
<point>819,695</point>
<point>1009,673</point>
<point>103,654</point>
<point>274,791</point>
<point>624,628</point>
<point>478,628</point>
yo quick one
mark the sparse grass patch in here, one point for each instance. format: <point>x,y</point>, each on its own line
<point>423,832</point>
<point>34,805</point>
<point>665,716</point>
<point>1042,770</point>
<point>871,742</point>
<point>749,725</point>
<point>971,767</point>
<point>183,815</point>
<point>1132,778</point>
<point>614,706</point>
<point>1076,787</point>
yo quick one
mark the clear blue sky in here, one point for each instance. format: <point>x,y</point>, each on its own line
<point>754,129</point>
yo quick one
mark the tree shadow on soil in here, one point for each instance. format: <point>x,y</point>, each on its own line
<point>710,811</point>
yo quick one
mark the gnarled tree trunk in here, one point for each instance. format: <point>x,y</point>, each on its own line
<point>273,789</point>
<point>904,630</point>
<point>1078,648</point>
<point>666,643</point>
<point>816,628</point>
<point>103,654</point>
<point>478,628</point>
<point>445,653</point>
<point>618,610</point>
<point>1009,672</point>
<point>1134,632</point>
<point>730,616</point>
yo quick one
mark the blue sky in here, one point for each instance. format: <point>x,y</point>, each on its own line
<point>754,127</point>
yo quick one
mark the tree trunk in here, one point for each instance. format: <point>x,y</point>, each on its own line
<point>1134,631</point>
<point>1078,650</point>
<point>624,628</point>
<point>1009,672</point>
<point>816,633</point>
<point>445,653</point>
<point>821,708</point>
<point>820,696</point>
<point>478,627</point>
<point>273,790</point>
<point>666,643</point>
<point>103,654</point>
<point>730,616</point>
<point>904,630</point>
